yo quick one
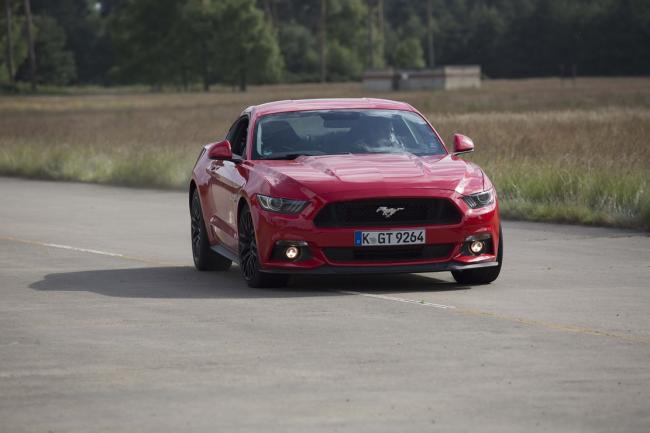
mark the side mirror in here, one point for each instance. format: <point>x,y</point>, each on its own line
<point>220,150</point>
<point>462,144</point>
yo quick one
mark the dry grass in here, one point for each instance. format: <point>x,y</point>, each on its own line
<point>556,150</point>
<point>571,166</point>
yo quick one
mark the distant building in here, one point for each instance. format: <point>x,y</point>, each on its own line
<point>443,77</point>
<point>380,80</point>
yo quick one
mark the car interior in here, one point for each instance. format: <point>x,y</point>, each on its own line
<point>330,133</point>
<point>237,136</point>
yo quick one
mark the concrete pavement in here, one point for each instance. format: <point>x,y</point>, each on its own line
<point>104,326</point>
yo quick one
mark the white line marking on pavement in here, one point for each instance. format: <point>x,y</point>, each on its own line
<point>393,298</point>
<point>477,313</point>
<point>83,250</point>
<point>88,250</point>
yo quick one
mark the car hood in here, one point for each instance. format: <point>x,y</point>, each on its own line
<point>373,174</point>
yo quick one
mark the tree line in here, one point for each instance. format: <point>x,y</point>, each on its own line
<point>237,42</point>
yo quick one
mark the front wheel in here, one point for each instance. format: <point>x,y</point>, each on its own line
<point>249,260</point>
<point>481,275</point>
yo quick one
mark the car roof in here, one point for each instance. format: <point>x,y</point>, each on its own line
<point>326,104</point>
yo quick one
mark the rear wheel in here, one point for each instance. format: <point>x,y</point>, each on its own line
<point>481,275</point>
<point>249,260</point>
<point>204,258</point>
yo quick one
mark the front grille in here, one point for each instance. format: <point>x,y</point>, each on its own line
<point>389,254</point>
<point>364,213</point>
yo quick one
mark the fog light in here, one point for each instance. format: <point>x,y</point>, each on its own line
<point>476,247</point>
<point>291,252</point>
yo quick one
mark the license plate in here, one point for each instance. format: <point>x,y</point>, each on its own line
<point>392,237</point>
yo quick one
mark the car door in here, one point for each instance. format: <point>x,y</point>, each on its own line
<point>226,182</point>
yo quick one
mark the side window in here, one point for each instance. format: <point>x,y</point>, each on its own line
<point>237,136</point>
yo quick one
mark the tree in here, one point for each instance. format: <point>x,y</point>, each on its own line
<point>182,42</point>
<point>343,62</point>
<point>30,44</point>
<point>148,39</point>
<point>340,32</point>
<point>347,38</point>
<point>8,43</point>
<point>248,49</point>
<point>409,54</point>
<point>485,39</point>
<point>375,45</point>
<point>405,29</point>
<point>84,23</point>
<point>322,40</point>
<point>300,52</point>
<point>55,64</point>
<point>12,42</point>
<point>198,40</point>
<point>179,41</point>
<point>430,51</point>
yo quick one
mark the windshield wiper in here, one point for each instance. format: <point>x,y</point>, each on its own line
<point>288,156</point>
<point>292,155</point>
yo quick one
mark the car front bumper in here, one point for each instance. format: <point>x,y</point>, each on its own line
<point>383,269</point>
<point>276,229</point>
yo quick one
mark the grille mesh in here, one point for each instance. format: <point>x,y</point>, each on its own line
<point>409,211</point>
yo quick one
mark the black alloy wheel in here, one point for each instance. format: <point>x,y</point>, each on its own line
<point>204,258</point>
<point>249,256</point>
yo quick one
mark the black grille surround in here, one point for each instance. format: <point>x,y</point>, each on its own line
<point>366,213</point>
<point>389,254</point>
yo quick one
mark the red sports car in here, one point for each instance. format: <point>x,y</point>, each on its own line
<point>342,186</point>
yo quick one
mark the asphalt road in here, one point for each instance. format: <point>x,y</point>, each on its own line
<point>105,326</point>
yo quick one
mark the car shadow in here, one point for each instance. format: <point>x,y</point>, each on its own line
<point>186,282</point>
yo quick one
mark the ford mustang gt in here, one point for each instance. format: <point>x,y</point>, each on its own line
<point>342,186</point>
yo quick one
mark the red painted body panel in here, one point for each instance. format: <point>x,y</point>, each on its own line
<point>225,185</point>
<point>328,104</point>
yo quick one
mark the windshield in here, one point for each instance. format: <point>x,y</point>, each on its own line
<point>337,132</point>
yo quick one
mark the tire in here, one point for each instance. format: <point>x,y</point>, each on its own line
<point>204,258</point>
<point>481,275</point>
<point>249,260</point>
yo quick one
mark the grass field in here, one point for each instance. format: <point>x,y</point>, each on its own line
<point>557,150</point>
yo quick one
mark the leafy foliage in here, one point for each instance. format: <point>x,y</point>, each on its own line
<point>55,64</point>
<point>178,41</point>
<point>409,54</point>
<point>19,44</point>
<point>250,53</point>
<point>300,52</point>
<point>236,42</point>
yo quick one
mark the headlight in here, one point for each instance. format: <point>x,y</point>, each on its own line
<point>480,199</point>
<point>281,205</point>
